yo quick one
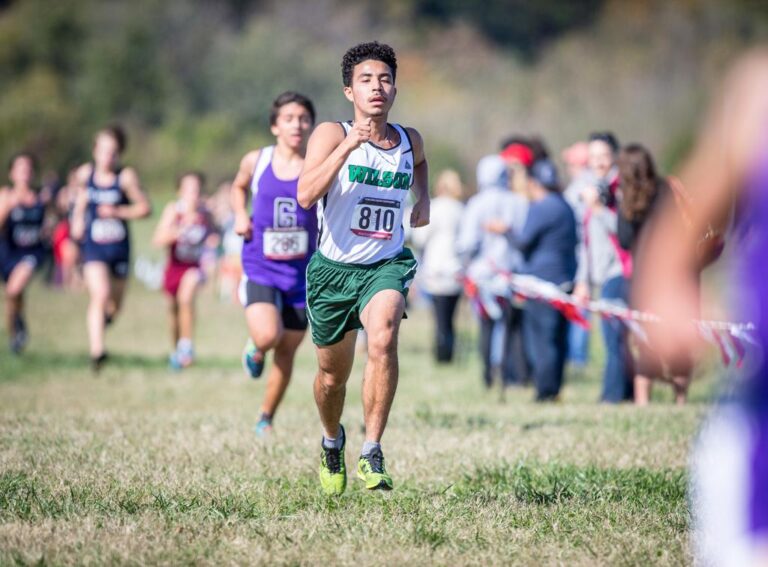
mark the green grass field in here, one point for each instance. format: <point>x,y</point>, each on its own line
<point>143,466</point>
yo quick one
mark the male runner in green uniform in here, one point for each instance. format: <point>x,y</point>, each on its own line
<point>359,174</point>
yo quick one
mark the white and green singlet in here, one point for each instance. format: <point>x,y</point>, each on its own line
<point>361,217</point>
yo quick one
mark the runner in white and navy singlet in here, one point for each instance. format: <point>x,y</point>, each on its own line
<point>22,245</point>
<point>106,240</point>
<point>21,237</point>
<point>108,196</point>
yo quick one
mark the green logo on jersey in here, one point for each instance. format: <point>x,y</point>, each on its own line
<point>378,178</point>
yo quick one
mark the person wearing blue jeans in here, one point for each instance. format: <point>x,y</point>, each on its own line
<point>617,376</point>
<point>602,262</point>
<point>513,359</point>
<point>578,343</point>
<point>546,336</point>
<point>548,244</point>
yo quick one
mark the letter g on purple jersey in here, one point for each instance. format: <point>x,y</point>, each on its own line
<point>285,212</point>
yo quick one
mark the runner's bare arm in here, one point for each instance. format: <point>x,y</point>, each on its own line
<point>734,135</point>
<point>166,233</point>
<point>717,168</point>
<point>420,188</point>
<point>240,191</point>
<point>327,150</point>
<point>80,179</point>
<point>714,175</point>
<point>5,204</point>
<point>139,206</point>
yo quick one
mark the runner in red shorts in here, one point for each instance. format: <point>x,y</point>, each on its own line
<point>184,228</point>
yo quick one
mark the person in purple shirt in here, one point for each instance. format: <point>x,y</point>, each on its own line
<point>280,236</point>
<point>727,176</point>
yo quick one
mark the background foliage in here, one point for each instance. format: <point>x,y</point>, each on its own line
<point>193,80</point>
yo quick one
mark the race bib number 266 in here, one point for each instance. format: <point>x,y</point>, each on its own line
<point>376,218</point>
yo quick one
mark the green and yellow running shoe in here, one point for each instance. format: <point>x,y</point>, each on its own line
<point>370,469</point>
<point>333,471</point>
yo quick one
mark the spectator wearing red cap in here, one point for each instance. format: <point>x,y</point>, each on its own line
<point>517,152</point>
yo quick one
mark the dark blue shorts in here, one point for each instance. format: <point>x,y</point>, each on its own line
<point>118,260</point>
<point>9,261</point>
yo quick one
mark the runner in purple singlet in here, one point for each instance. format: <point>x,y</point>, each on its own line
<point>279,239</point>
<point>727,177</point>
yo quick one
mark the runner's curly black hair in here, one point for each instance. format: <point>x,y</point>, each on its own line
<point>363,52</point>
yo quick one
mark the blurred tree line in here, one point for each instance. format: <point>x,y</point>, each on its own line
<point>193,80</point>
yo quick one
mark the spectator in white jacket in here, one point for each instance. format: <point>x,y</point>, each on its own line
<point>440,269</point>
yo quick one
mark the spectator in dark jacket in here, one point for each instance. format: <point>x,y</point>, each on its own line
<point>641,188</point>
<point>548,244</point>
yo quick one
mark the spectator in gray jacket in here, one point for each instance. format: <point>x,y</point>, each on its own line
<point>581,177</point>
<point>490,219</point>
<point>603,265</point>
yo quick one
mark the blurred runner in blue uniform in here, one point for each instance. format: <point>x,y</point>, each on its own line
<point>22,250</point>
<point>108,196</point>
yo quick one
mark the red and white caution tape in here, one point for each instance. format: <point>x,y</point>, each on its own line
<point>730,338</point>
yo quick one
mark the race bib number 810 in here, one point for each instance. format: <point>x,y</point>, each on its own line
<point>376,218</point>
